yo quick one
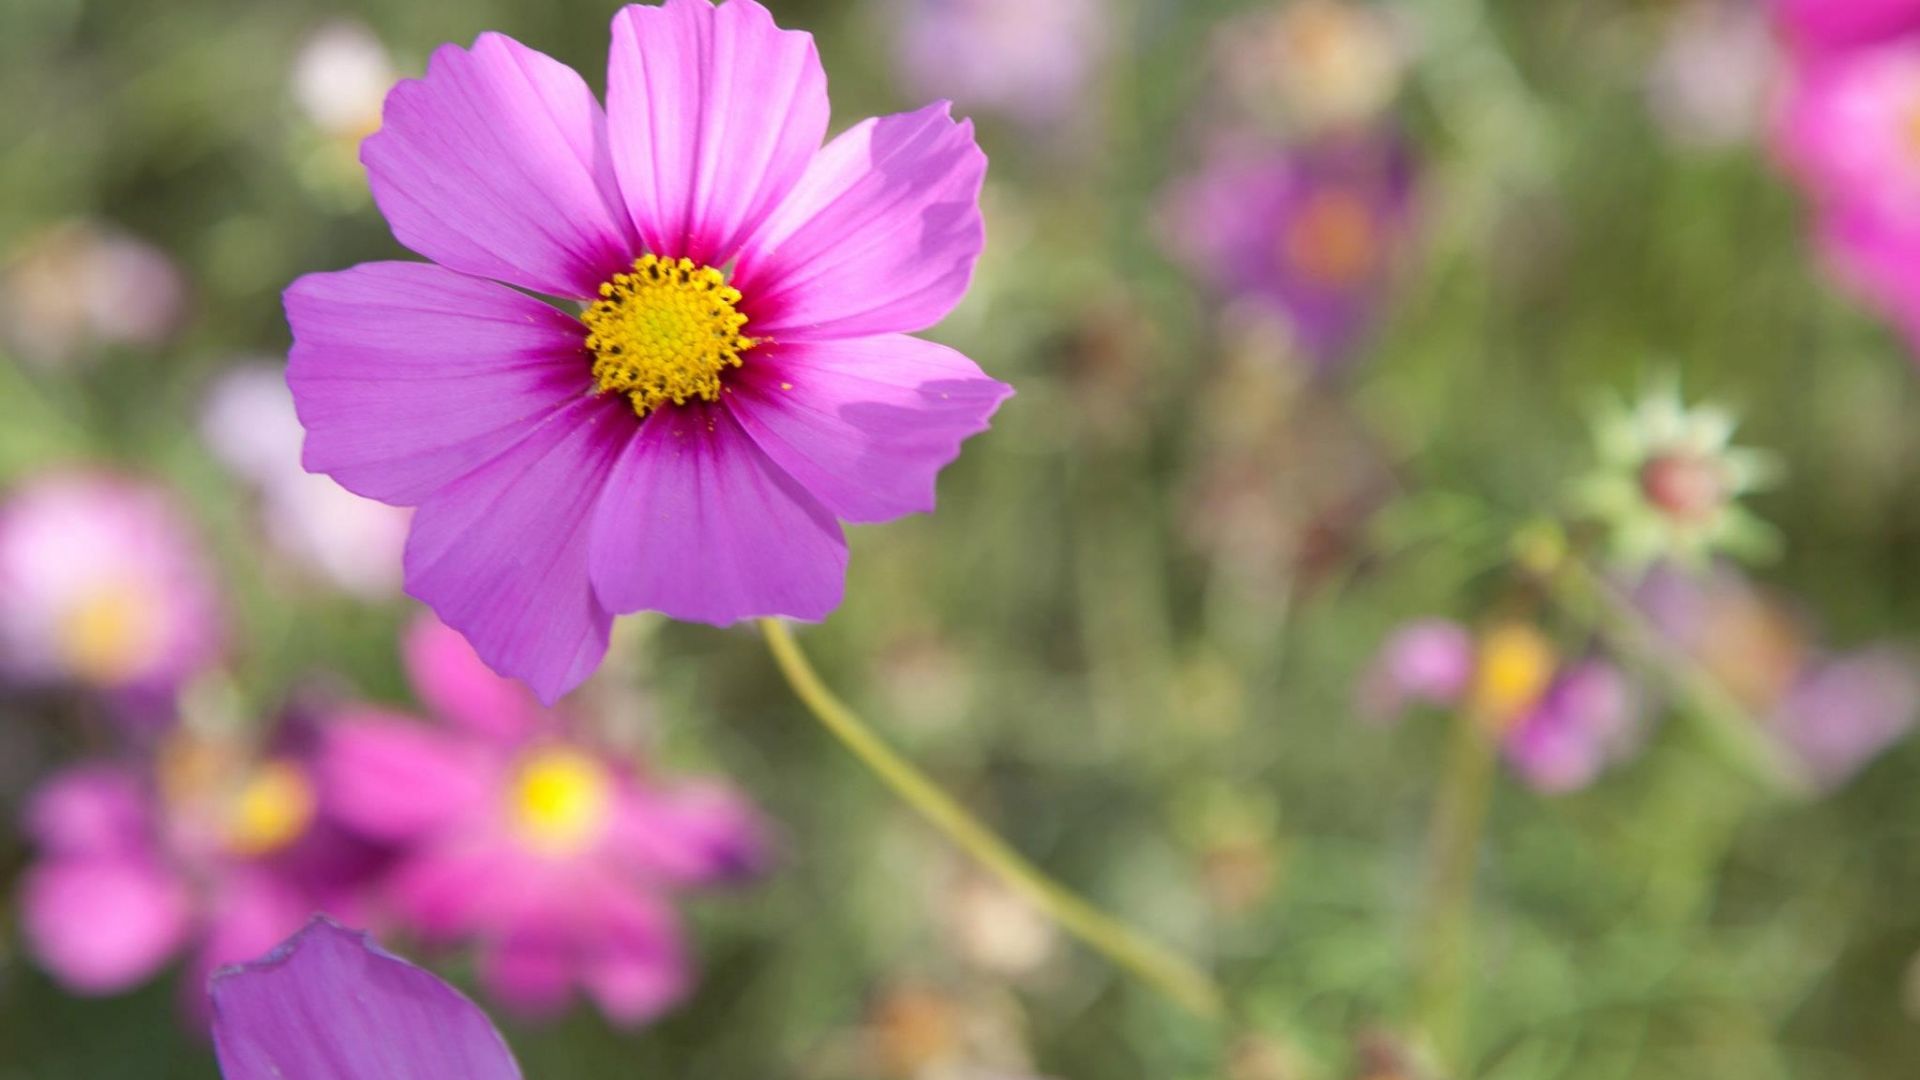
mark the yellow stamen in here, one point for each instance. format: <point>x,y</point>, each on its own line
<point>271,810</point>
<point>561,800</point>
<point>1516,663</point>
<point>107,636</point>
<point>665,333</point>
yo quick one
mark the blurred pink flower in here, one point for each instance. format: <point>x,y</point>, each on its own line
<point>691,441</point>
<point>1558,729</point>
<point>1708,85</point>
<point>249,423</point>
<point>81,284</point>
<point>1311,234</point>
<point>1832,712</point>
<point>205,850</point>
<point>1814,27</point>
<point>102,581</point>
<point>557,860</point>
<point>1032,62</point>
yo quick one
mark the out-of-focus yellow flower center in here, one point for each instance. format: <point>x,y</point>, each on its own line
<point>665,333</point>
<point>560,800</point>
<point>271,810</point>
<point>1334,241</point>
<point>106,637</point>
<point>1515,664</point>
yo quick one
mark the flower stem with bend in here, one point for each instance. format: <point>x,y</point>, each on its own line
<point>1165,971</point>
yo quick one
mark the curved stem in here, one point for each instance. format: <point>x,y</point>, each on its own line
<point>1153,964</point>
<point>1459,824</point>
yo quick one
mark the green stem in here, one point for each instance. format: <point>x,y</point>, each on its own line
<point>1459,821</point>
<point>1153,964</point>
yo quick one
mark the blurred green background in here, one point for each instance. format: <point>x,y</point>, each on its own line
<point>1144,683</point>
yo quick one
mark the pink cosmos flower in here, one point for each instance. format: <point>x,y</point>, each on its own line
<point>249,423</point>
<point>1312,234</point>
<point>1029,61</point>
<point>739,380</point>
<point>206,851</point>
<point>555,859</point>
<point>79,285</point>
<point>102,582</point>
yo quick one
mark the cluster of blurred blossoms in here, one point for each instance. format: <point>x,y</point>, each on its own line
<point>1668,620</point>
<point>1849,132</point>
<point>196,834</point>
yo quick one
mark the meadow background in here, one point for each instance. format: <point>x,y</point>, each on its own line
<point>1131,635</point>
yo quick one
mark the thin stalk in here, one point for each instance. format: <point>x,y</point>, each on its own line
<point>1459,822</point>
<point>1165,971</point>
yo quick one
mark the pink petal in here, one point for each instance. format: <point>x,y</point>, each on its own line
<point>408,376</point>
<point>452,680</point>
<point>102,925</point>
<point>501,555</point>
<point>880,236</point>
<point>392,780</point>
<point>328,1005</point>
<point>715,114</point>
<point>867,424</point>
<point>636,966</point>
<point>495,164</point>
<point>697,522</point>
<point>530,972</point>
<point>697,834</point>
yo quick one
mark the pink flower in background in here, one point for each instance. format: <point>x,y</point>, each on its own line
<point>206,851</point>
<point>249,423</point>
<point>1559,725</point>
<point>1033,62</point>
<point>556,860</point>
<point>1831,712</point>
<point>78,285</point>
<point>1818,27</point>
<point>690,443</point>
<point>1709,84</point>
<point>1311,234</point>
<point>102,582</point>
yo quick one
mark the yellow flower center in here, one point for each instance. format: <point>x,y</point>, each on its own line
<point>1515,664</point>
<point>107,636</point>
<point>1334,241</point>
<point>665,333</point>
<point>271,810</point>
<point>561,801</point>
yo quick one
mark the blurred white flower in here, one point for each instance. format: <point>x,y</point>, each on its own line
<point>1314,65</point>
<point>1708,85</point>
<point>249,424</point>
<point>340,76</point>
<point>79,284</point>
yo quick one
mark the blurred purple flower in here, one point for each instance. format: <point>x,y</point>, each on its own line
<point>330,1005</point>
<point>556,859</point>
<point>1312,235</point>
<point>1559,729</point>
<point>81,284</point>
<point>249,423</point>
<point>103,582</point>
<point>210,851</point>
<point>1832,712</point>
<point>1032,62</point>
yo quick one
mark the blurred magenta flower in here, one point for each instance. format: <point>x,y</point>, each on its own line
<point>78,285</point>
<point>1311,234</point>
<point>1815,27</point>
<point>331,1005</point>
<point>1832,712</point>
<point>1559,725</point>
<point>556,859</point>
<point>103,582</point>
<point>689,443</point>
<point>207,850</point>
<point>249,423</point>
<point>1032,62</point>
